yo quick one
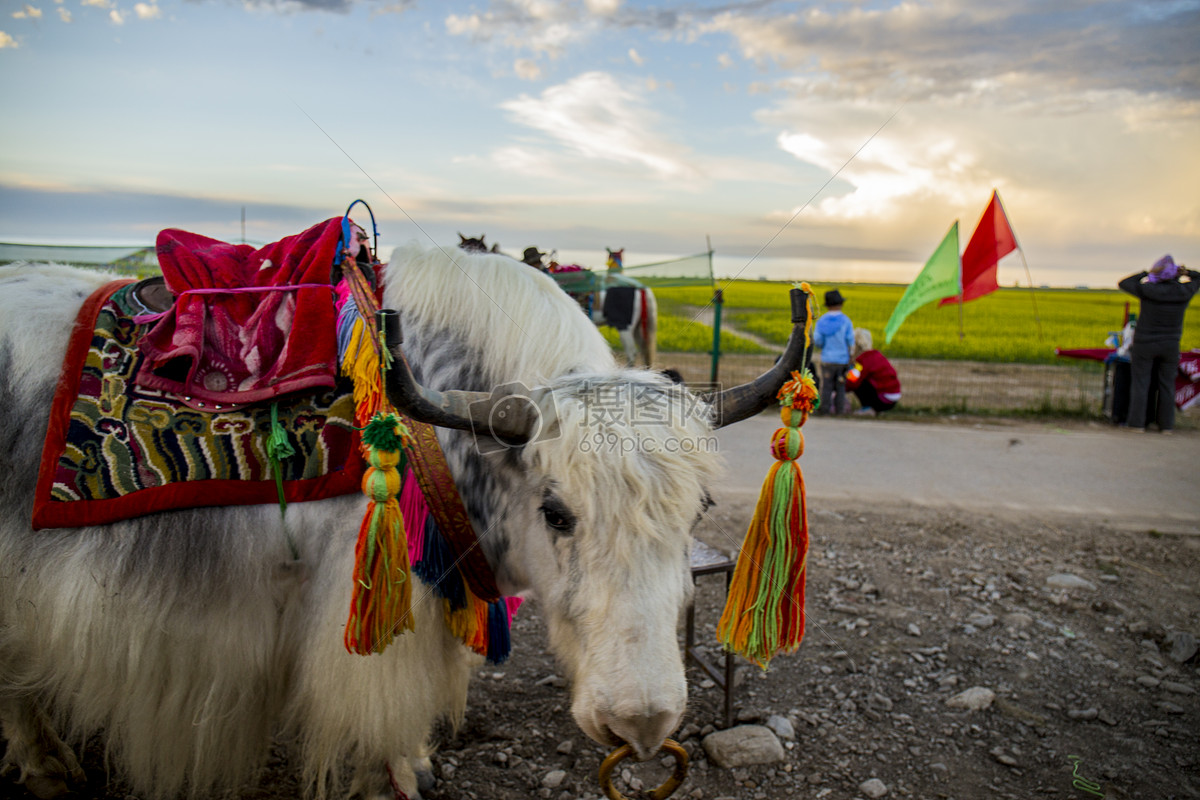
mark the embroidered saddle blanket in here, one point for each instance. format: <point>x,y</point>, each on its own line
<point>116,450</point>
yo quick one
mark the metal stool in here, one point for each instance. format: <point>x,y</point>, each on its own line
<point>706,560</point>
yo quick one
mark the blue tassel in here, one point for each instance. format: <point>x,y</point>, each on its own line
<point>345,326</point>
<point>437,569</point>
<point>499,643</point>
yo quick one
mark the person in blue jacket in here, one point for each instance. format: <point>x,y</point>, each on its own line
<point>834,334</point>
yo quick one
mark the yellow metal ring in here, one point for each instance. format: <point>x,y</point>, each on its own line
<point>662,792</point>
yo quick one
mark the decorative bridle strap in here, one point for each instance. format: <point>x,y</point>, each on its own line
<point>446,505</point>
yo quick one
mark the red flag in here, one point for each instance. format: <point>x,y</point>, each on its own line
<point>992,240</point>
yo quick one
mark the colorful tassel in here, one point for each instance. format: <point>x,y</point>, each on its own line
<point>499,643</point>
<point>764,609</point>
<point>437,568</point>
<point>278,449</point>
<point>416,513</point>
<point>382,597</point>
<point>380,605</point>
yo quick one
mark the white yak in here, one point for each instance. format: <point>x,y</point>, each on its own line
<point>190,638</point>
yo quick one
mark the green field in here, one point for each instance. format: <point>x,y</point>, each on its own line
<point>1001,326</point>
<point>680,334</point>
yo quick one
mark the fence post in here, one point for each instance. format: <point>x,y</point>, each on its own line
<point>718,301</point>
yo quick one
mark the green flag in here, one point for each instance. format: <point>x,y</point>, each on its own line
<point>939,278</point>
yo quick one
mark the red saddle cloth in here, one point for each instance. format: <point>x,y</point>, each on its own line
<point>247,325</point>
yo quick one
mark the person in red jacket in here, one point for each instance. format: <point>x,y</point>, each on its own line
<point>872,378</point>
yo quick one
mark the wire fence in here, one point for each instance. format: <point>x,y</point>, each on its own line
<point>1075,388</point>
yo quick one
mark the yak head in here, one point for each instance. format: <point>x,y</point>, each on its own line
<point>584,489</point>
<point>605,498</point>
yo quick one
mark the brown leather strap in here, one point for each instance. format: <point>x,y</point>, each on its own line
<point>446,505</point>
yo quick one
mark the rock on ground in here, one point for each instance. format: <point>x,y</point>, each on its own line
<point>977,698</point>
<point>743,746</point>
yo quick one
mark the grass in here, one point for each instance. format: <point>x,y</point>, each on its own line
<point>1009,325</point>
<point>679,334</point>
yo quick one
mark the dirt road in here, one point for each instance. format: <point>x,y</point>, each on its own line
<point>1088,470</point>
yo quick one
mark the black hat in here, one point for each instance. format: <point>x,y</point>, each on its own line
<point>833,298</point>
<point>532,255</point>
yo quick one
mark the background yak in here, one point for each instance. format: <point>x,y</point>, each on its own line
<point>190,638</point>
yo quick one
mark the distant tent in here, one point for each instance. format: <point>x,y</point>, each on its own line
<point>131,257</point>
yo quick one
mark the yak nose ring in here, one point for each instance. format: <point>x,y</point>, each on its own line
<point>662,792</point>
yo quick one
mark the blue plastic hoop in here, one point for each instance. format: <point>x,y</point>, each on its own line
<point>346,230</point>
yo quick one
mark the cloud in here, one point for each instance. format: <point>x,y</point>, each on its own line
<point>527,161</point>
<point>63,14</point>
<point>96,3</point>
<point>961,49</point>
<point>332,6</point>
<point>395,7</point>
<point>28,12</point>
<point>933,163</point>
<point>7,41</point>
<point>117,17</point>
<point>538,26</point>
<point>636,58</point>
<point>471,25</point>
<point>593,116</point>
<point>603,7</point>
<point>147,11</point>
<point>527,69</point>
<point>35,212</point>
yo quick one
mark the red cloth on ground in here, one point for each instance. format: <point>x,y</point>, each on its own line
<point>1187,378</point>
<point>874,368</point>
<point>1087,353</point>
<point>244,346</point>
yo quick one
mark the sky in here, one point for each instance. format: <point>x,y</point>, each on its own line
<point>832,141</point>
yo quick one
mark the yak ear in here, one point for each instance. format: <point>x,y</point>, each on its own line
<point>461,238</point>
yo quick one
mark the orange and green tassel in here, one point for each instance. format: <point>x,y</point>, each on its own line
<point>764,610</point>
<point>381,603</point>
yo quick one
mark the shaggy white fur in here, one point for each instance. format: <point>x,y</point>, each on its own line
<point>191,638</point>
<point>523,326</point>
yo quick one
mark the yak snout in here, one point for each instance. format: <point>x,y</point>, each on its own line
<point>641,716</point>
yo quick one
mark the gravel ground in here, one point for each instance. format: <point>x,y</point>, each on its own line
<point>1086,683</point>
<point>908,608</point>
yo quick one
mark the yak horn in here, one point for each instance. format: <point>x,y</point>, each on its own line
<point>512,418</point>
<point>741,402</point>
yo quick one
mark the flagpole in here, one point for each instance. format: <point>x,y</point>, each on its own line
<point>961,333</point>
<point>1032,296</point>
<point>961,291</point>
<point>1028,276</point>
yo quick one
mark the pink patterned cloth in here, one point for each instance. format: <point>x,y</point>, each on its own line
<point>247,325</point>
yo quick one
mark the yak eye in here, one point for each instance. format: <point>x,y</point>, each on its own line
<point>557,516</point>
